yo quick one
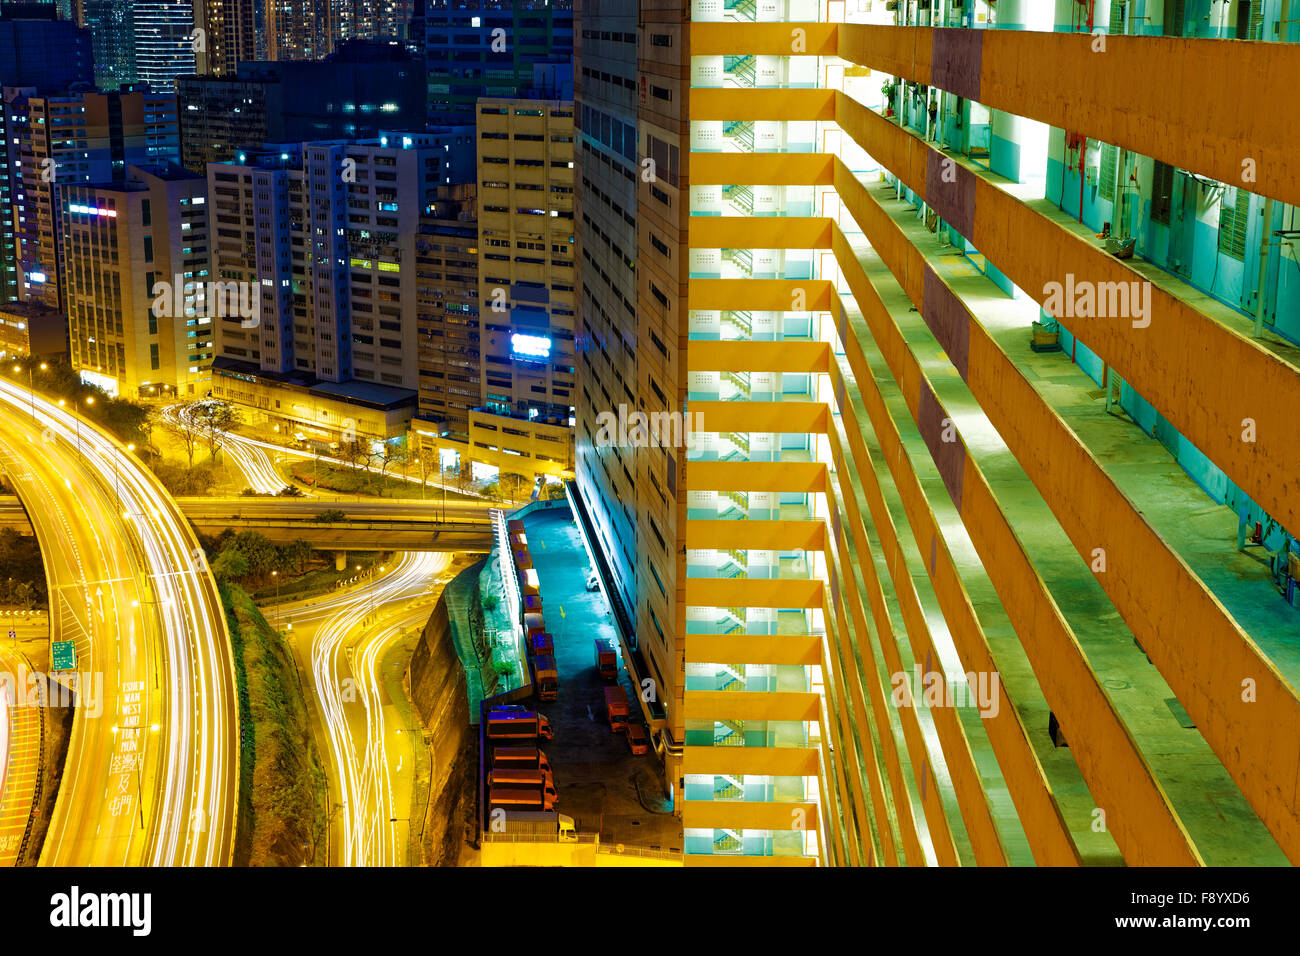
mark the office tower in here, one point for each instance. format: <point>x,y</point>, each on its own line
<point>163,32</point>
<point>230,34</point>
<point>327,233</point>
<point>112,29</point>
<point>135,260</point>
<point>57,141</point>
<point>447,300</point>
<point>948,575</point>
<point>40,53</point>
<point>490,48</point>
<point>364,87</point>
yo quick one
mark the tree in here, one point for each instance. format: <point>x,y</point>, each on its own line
<point>188,430</point>
<point>513,485</point>
<point>330,516</point>
<point>214,420</point>
<point>296,555</point>
<point>230,565</point>
<point>392,453</point>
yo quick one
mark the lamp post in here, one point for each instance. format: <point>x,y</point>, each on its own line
<point>276,575</point>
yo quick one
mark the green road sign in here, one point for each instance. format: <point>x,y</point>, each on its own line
<point>64,656</point>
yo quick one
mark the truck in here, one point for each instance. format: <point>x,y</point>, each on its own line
<point>514,526</point>
<point>525,758</point>
<point>533,604</point>
<point>507,778</point>
<point>529,582</point>
<point>524,798</point>
<point>606,660</point>
<point>517,723</point>
<point>542,644</point>
<point>533,624</point>
<point>523,559</point>
<point>542,824</point>
<point>616,708</point>
<point>546,677</point>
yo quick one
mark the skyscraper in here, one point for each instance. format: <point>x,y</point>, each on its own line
<point>163,32</point>
<point>926,585</point>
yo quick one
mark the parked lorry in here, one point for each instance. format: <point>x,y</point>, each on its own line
<point>533,624</point>
<point>525,758</point>
<point>542,824</point>
<point>616,708</point>
<point>606,660</point>
<point>508,778</point>
<point>514,526</point>
<point>542,644</point>
<point>545,677</point>
<point>517,723</point>
<point>533,604</point>
<point>524,798</point>
<point>529,582</point>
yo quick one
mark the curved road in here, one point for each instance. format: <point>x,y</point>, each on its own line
<point>370,761</point>
<point>151,776</point>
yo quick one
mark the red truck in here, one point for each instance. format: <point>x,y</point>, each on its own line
<point>545,677</point>
<point>523,758</point>
<point>521,798</point>
<point>616,708</point>
<point>606,660</point>
<point>542,644</point>
<point>638,740</point>
<point>517,723</point>
<point>507,778</point>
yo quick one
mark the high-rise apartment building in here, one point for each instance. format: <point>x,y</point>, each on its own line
<point>297,30</point>
<point>946,572</point>
<point>522,422</point>
<point>352,94</point>
<point>365,19</point>
<point>327,233</point>
<point>57,141</point>
<point>495,48</point>
<point>230,34</point>
<point>447,297</point>
<point>135,261</point>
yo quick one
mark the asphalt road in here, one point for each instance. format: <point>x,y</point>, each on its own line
<point>151,775</point>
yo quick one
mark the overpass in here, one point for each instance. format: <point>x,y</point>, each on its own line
<point>368,524</point>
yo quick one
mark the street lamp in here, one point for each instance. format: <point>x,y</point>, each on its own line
<point>276,575</point>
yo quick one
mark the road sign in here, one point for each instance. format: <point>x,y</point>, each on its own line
<point>63,656</point>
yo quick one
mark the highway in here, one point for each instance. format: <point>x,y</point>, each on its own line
<point>151,776</point>
<point>252,456</point>
<point>370,763</point>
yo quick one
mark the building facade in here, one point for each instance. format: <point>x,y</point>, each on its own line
<point>135,261</point>
<point>902,599</point>
<point>57,141</point>
<point>327,233</point>
<point>494,48</point>
<point>165,42</point>
<point>352,94</point>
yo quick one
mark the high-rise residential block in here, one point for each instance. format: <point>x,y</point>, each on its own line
<point>943,570</point>
<point>327,232</point>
